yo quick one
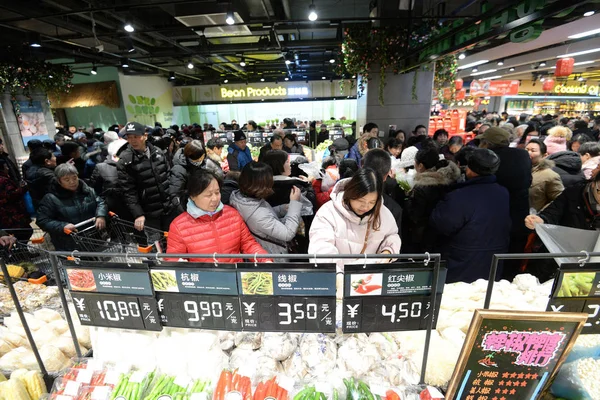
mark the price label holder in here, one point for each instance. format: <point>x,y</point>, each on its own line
<point>290,297</point>
<point>396,297</point>
<point>113,295</point>
<point>197,295</point>
<point>577,289</point>
<point>513,354</point>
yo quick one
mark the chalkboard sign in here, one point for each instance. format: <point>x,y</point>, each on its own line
<point>392,298</point>
<point>577,289</point>
<point>291,297</point>
<point>512,355</point>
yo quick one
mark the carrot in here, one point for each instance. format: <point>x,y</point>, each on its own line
<point>278,392</point>
<point>228,381</point>
<point>391,395</point>
<point>258,391</point>
<point>284,395</point>
<point>236,381</point>
<point>218,394</point>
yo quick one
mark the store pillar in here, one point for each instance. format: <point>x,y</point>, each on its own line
<point>399,109</point>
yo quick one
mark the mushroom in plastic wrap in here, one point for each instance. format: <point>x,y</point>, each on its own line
<point>53,359</point>
<point>294,367</point>
<point>247,340</point>
<point>280,346</point>
<point>47,315</point>
<point>384,343</point>
<point>226,340</point>
<point>66,345</point>
<point>59,327</point>
<point>5,347</point>
<point>394,372</point>
<point>357,354</point>
<point>319,354</point>
<point>14,359</point>
<point>15,340</point>
<point>255,364</point>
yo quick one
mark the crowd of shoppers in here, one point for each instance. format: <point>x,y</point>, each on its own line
<point>403,193</point>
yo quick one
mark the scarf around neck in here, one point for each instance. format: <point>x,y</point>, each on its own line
<point>196,212</point>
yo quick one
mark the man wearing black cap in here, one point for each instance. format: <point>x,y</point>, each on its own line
<point>238,154</point>
<point>473,234</point>
<point>514,174</point>
<point>143,173</point>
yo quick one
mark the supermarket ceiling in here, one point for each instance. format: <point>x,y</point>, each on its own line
<point>245,40</point>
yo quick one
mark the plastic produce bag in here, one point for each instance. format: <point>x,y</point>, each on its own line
<point>560,239</point>
<point>578,380</point>
<point>312,169</point>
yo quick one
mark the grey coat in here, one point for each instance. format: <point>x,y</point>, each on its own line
<point>272,227</point>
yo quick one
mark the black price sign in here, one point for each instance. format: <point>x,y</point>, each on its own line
<point>397,298</point>
<point>114,311</point>
<point>512,355</point>
<point>197,295</point>
<point>201,312</point>
<point>577,289</point>
<point>287,298</point>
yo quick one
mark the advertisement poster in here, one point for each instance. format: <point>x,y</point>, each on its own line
<point>512,355</point>
<point>484,88</point>
<point>32,123</point>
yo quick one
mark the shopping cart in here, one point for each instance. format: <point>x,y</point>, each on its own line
<point>119,236</point>
<point>29,258</point>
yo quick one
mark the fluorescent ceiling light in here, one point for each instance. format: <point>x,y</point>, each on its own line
<point>473,64</point>
<point>129,28</point>
<point>489,78</point>
<point>584,34</point>
<point>579,53</point>
<point>589,13</point>
<point>487,71</point>
<point>462,56</point>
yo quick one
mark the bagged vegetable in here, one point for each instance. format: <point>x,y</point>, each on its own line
<point>578,380</point>
<point>280,346</point>
<point>245,340</point>
<point>230,382</point>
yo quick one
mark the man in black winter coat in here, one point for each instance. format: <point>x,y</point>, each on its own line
<point>41,174</point>
<point>379,160</point>
<point>13,171</point>
<point>514,174</point>
<point>547,124</point>
<point>143,173</point>
<point>567,164</point>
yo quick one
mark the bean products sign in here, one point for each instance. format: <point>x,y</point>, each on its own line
<point>262,92</point>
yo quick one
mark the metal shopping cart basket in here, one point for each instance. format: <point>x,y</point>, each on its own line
<point>119,236</point>
<point>29,258</point>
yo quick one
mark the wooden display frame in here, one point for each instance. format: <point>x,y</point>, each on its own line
<point>480,316</point>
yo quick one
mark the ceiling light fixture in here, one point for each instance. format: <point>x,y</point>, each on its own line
<point>226,81</point>
<point>579,53</point>
<point>353,76</point>
<point>474,69</point>
<point>489,78</point>
<point>125,63</point>
<point>287,79</point>
<point>589,13</point>
<point>129,28</point>
<point>190,65</point>
<point>462,56</point>
<point>332,61</point>
<point>580,79</point>
<point>35,40</point>
<point>130,48</point>
<point>243,62</point>
<point>262,79</point>
<point>288,62</point>
<point>511,69</point>
<point>94,70</point>
<point>542,79</point>
<point>584,34</point>
<point>500,63</point>
<point>543,64</point>
<point>171,75</point>
<point>473,64</point>
<point>583,63</point>
<point>229,18</point>
<point>312,13</point>
<point>487,71</point>
<point>323,78</point>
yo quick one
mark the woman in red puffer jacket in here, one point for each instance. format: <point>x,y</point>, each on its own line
<point>208,226</point>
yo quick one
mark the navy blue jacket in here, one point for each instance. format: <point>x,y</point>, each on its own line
<point>474,223</point>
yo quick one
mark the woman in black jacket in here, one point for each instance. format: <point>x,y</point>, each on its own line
<point>69,202</point>
<point>432,182</point>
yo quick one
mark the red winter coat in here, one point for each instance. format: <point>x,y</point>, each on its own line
<point>322,197</point>
<point>223,233</point>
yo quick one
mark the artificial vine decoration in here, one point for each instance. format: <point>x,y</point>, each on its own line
<point>364,47</point>
<point>446,72</point>
<point>21,77</point>
<point>414,86</point>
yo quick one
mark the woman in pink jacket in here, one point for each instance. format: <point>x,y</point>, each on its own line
<point>355,221</point>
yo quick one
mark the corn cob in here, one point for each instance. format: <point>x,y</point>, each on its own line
<point>15,390</point>
<point>35,384</point>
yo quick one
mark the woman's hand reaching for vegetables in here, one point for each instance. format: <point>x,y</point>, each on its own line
<point>531,220</point>
<point>295,194</point>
